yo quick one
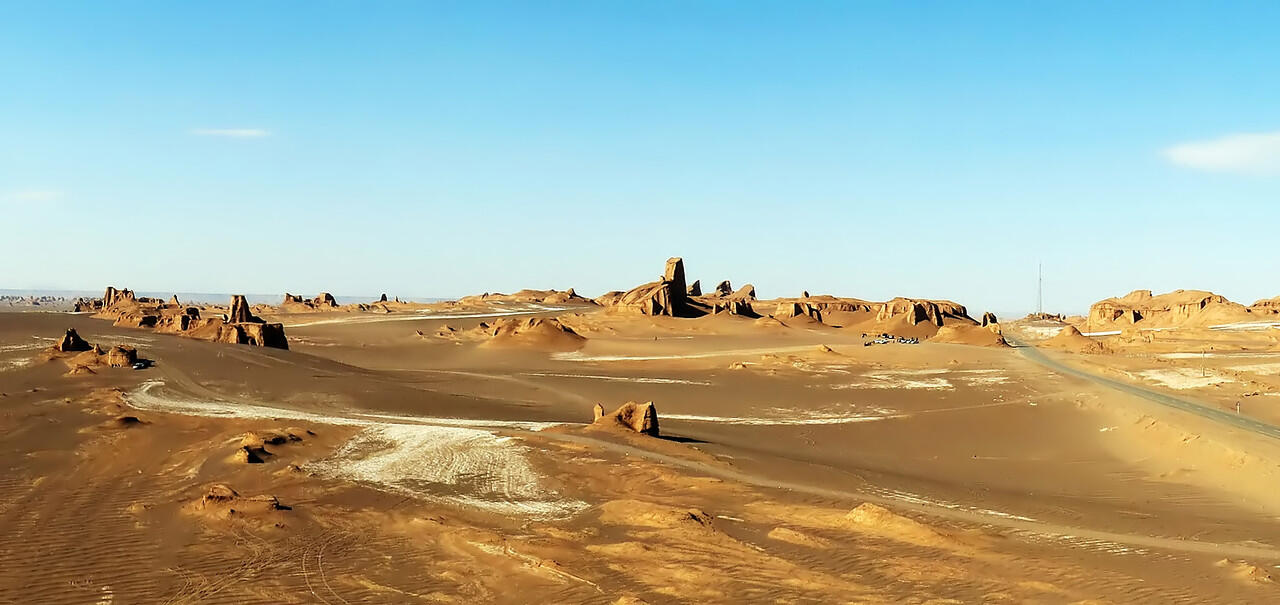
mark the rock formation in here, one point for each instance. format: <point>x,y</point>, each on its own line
<point>240,325</point>
<point>724,288</point>
<point>970,334</point>
<point>916,311</point>
<point>632,416</point>
<point>1177,308</point>
<point>240,310</point>
<point>384,297</point>
<point>72,342</point>
<point>732,306</point>
<point>552,297</point>
<point>695,289</point>
<point>538,332</point>
<point>1266,305</point>
<point>989,318</point>
<point>787,310</point>
<point>668,296</point>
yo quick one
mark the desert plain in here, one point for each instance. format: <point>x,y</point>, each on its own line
<point>670,443</point>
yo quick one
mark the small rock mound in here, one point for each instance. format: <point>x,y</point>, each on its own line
<point>222,501</point>
<point>879,520</point>
<point>969,334</point>
<point>632,416</point>
<point>1070,339</point>
<point>541,332</point>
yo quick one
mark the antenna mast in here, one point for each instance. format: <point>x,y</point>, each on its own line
<point>1040,289</point>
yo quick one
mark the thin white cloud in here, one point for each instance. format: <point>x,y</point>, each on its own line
<point>1246,153</point>
<point>232,133</point>
<point>31,196</point>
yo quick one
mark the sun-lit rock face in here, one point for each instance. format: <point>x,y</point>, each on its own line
<point>1172,308</point>
<point>632,416</point>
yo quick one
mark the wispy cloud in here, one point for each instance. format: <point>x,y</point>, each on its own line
<point>1245,153</point>
<point>232,133</point>
<point>31,196</point>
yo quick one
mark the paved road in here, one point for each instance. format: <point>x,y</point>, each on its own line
<point>1186,405</point>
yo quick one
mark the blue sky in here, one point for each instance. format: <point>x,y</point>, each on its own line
<point>934,149</point>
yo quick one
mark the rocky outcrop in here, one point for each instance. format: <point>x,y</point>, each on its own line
<point>552,297</point>
<point>747,292</point>
<point>71,342</point>
<point>112,297</point>
<point>240,311</point>
<point>913,310</point>
<point>1266,305</point>
<point>668,296</point>
<point>324,300</point>
<point>121,356</point>
<point>724,288</point>
<point>638,417</point>
<point>695,289</point>
<point>732,306</point>
<point>989,318</point>
<point>786,310</point>
<point>1171,309</point>
<point>538,332</point>
<point>383,298</point>
<point>239,325</point>
<point>970,334</point>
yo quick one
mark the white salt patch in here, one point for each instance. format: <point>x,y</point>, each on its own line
<point>900,379</point>
<point>434,461</point>
<point>14,364</point>
<point>412,455</point>
<point>645,380</point>
<point>1042,331</point>
<point>1184,378</point>
<point>1246,326</point>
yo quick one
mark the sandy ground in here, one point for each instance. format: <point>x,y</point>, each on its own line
<point>371,463</point>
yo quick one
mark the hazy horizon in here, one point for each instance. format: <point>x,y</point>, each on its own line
<point>930,150</point>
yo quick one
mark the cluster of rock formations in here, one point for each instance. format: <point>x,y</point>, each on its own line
<point>1178,309</point>
<point>1173,307</point>
<point>294,303</point>
<point>31,300</point>
<point>548,297</point>
<point>670,296</point>
<point>637,417</point>
<point>238,326</point>
<point>82,357</point>
<point>537,332</point>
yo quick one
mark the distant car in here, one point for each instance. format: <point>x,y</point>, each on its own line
<point>140,366</point>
